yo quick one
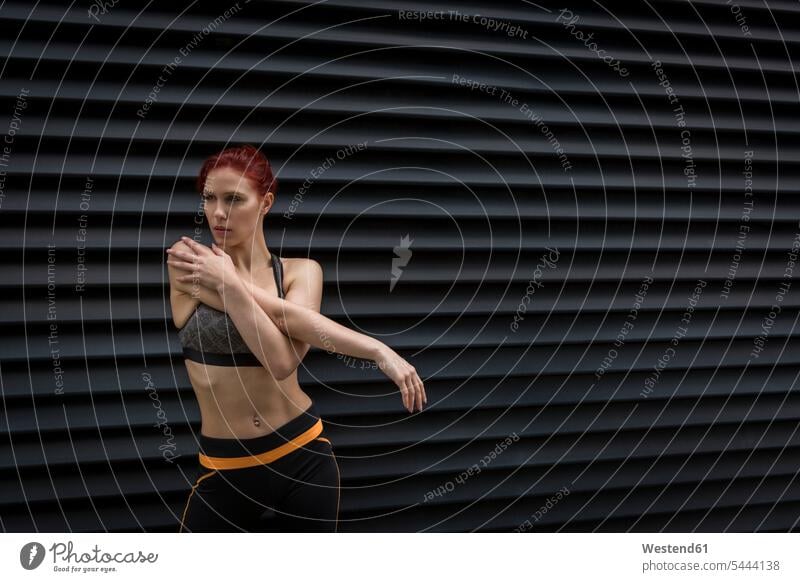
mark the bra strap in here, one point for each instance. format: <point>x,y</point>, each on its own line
<point>277,269</point>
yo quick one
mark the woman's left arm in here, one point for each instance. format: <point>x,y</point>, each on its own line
<point>304,288</point>
<point>309,326</point>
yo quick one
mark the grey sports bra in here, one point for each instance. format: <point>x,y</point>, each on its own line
<point>211,337</point>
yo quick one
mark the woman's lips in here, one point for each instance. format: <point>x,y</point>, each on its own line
<point>220,229</point>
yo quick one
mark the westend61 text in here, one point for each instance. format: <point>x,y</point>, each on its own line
<point>672,549</point>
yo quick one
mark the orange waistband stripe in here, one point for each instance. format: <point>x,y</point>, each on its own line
<point>265,457</point>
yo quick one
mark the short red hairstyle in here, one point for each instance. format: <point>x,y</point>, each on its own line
<point>248,160</point>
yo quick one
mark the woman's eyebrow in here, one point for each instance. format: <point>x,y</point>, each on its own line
<point>226,193</point>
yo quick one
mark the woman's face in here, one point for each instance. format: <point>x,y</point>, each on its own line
<point>232,206</point>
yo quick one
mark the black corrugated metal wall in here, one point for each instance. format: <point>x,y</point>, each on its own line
<point>579,223</point>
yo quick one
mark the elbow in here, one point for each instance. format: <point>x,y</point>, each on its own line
<point>279,372</point>
<point>284,371</point>
<point>289,371</point>
<point>282,376</point>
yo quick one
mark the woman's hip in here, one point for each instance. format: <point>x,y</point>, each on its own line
<point>231,453</point>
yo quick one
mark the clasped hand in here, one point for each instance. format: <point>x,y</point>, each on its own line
<point>209,267</point>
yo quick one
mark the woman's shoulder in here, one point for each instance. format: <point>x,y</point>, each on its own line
<point>299,264</point>
<point>300,269</point>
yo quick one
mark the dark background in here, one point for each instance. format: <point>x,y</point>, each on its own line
<point>479,190</point>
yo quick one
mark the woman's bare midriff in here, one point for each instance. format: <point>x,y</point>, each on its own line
<point>244,402</point>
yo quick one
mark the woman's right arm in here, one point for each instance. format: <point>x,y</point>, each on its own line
<point>184,296</point>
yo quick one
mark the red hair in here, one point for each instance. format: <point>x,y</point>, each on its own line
<point>246,159</point>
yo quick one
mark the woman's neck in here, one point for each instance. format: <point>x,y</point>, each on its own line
<point>251,256</point>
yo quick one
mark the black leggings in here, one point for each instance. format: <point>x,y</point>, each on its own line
<point>291,471</point>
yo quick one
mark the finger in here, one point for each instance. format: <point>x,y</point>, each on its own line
<point>216,249</point>
<point>176,257</point>
<point>418,391</point>
<point>417,394</point>
<point>420,388</point>
<point>194,245</point>
<point>412,391</point>
<point>182,265</point>
<point>406,394</point>
<point>412,395</point>
<point>413,399</point>
<point>179,254</point>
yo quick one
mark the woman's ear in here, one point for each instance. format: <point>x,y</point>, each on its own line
<point>269,200</point>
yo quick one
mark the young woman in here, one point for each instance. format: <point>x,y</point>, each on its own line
<point>246,319</point>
